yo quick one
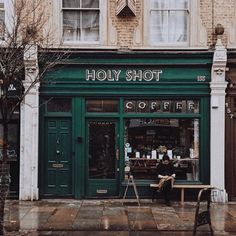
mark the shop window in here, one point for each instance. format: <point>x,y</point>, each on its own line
<point>102,105</point>
<point>58,105</point>
<point>147,140</point>
<point>169,20</point>
<point>81,20</point>
<point>2,19</point>
<point>12,149</point>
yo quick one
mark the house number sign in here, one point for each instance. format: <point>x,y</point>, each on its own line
<point>130,75</point>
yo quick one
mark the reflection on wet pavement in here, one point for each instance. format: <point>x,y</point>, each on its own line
<point>110,217</point>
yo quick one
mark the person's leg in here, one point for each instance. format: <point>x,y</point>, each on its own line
<point>166,191</point>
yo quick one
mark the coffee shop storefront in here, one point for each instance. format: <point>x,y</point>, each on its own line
<point>102,112</point>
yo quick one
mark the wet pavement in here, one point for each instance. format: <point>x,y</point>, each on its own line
<point>111,218</point>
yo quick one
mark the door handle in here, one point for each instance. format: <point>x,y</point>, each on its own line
<point>57,152</point>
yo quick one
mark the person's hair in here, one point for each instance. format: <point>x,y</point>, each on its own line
<point>165,158</point>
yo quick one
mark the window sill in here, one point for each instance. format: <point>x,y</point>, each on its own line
<point>86,46</point>
<point>183,48</point>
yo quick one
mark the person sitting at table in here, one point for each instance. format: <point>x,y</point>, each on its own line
<point>166,176</point>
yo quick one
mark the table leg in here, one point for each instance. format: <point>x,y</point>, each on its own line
<point>182,196</point>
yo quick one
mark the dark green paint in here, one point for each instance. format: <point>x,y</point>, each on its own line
<point>58,157</point>
<point>178,80</point>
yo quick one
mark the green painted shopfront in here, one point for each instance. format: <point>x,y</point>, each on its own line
<point>103,111</point>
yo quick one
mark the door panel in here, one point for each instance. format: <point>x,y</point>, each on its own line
<point>102,160</point>
<point>58,158</point>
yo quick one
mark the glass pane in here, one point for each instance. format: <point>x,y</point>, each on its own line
<point>160,4</point>
<point>90,25</point>
<point>178,26</point>
<point>159,26</point>
<point>59,105</point>
<point>102,105</point>
<point>193,106</point>
<point>12,149</point>
<point>178,4</point>
<point>2,23</point>
<point>102,150</point>
<point>90,3</point>
<point>146,141</point>
<point>71,25</point>
<point>70,3</point>
<point>180,106</point>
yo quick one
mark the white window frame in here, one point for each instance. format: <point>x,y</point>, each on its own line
<point>197,35</point>
<point>185,43</point>
<point>9,18</point>
<point>231,32</point>
<point>2,9</point>
<point>57,26</point>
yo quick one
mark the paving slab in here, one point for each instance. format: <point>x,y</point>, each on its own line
<point>110,217</point>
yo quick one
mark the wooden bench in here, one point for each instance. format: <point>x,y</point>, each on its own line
<point>185,186</point>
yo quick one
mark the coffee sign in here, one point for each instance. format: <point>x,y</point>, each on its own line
<point>160,106</point>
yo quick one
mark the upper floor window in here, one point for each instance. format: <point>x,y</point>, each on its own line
<point>169,22</point>
<point>81,20</point>
<point>2,19</point>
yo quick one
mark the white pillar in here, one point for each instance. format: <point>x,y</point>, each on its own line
<point>218,86</point>
<point>29,130</point>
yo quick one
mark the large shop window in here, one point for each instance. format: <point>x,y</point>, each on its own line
<point>169,21</point>
<point>146,141</point>
<point>81,20</point>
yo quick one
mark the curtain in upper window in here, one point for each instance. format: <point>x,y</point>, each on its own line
<point>81,20</point>
<point>2,19</point>
<point>169,21</point>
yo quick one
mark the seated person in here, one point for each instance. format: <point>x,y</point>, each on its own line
<point>166,175</point>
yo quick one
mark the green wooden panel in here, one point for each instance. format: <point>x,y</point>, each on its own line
<point>109,74</point>
<point>58,179</point>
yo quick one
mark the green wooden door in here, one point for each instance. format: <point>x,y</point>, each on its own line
<point>58,157</point>
<point>102,158</point>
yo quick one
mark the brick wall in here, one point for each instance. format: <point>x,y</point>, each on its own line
<point>125,25</point>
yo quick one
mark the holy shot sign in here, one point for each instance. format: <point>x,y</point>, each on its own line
<point>129,75</point>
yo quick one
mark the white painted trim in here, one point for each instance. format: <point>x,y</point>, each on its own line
<point>217,130</point>
<point>170,48</point>
<point>29,130</point>
<point>56,25</point>
<point>9,18</point>
<point>231,44</point>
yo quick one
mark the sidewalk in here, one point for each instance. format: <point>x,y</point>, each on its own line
<point>110,218</point>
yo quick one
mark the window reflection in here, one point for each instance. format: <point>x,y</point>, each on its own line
<point>101,150</point>
<point>12,147</point>
<point>102,105</point>
<point>59,105</point>
<point>146,141</point>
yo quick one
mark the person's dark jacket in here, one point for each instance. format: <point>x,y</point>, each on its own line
<point>165,169</point>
